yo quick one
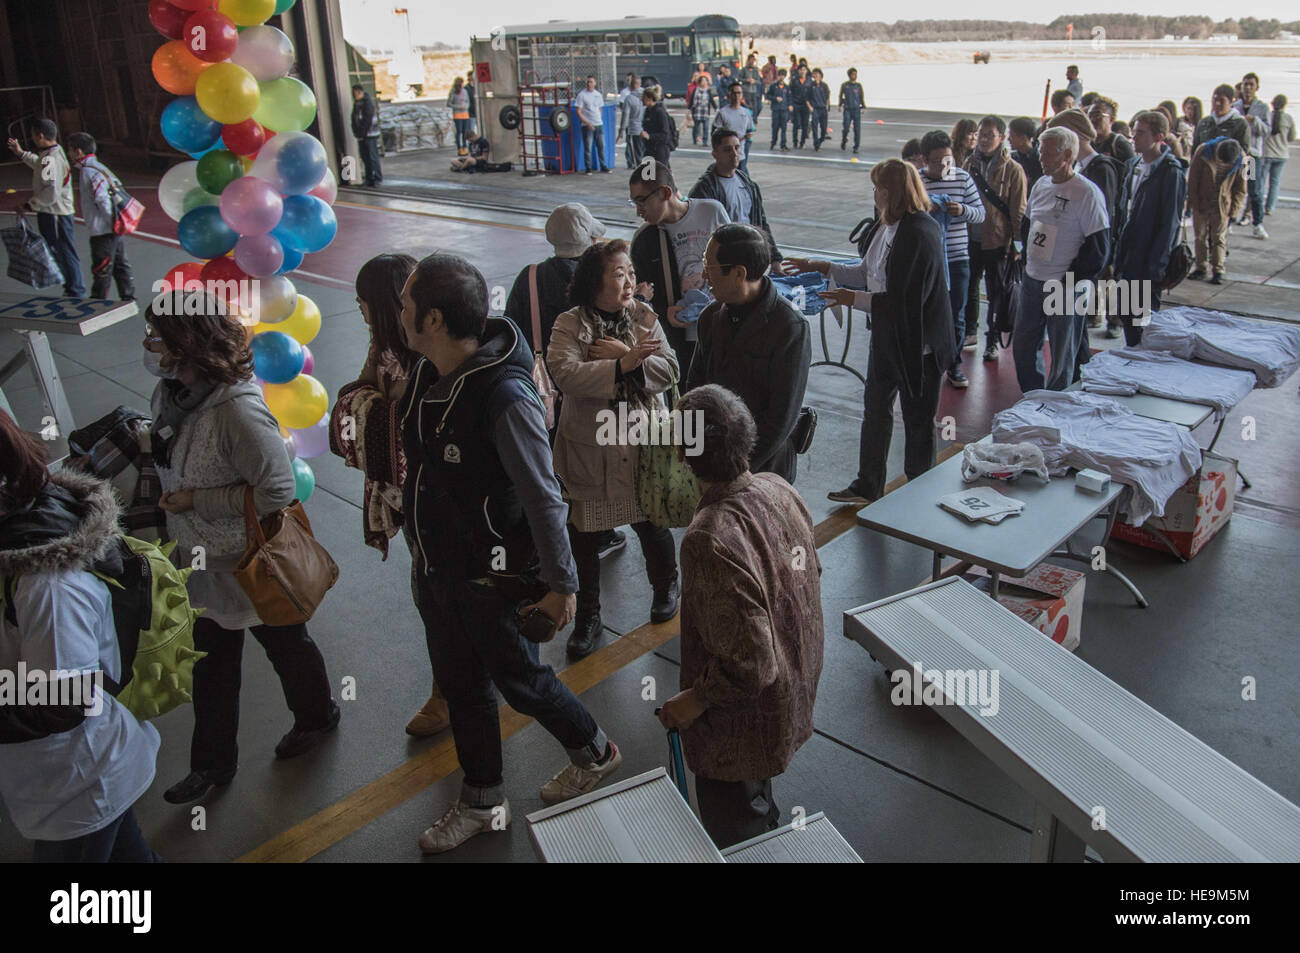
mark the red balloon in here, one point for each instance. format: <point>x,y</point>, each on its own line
<point>223,270</point>
<point>244,138</point>
<point>182,275</point>
<point>168,19</point>
<point>211,36</point>
<point>193,5</point>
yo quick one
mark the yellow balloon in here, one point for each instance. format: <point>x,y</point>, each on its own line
<point>299,404</point>
<point>247,12</point>
<point>304,324</point>
<point>228,93</point>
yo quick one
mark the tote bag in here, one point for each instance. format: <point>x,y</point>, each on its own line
<point>30,258</point>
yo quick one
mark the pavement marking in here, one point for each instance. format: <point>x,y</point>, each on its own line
<point>327,827</point>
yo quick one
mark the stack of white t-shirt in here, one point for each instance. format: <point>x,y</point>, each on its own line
<point>1125,370</point>
<point>1082,430</point>
<point>1270,349</point>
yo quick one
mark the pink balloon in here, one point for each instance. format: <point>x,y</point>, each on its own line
<point>259,255</point>
<point>309,362</point>
<point>312,441</point>
<point>251,206</point>
<point>328,190</point>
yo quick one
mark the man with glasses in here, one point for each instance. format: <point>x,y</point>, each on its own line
<point>1108,142</point>
<point>668,251</point>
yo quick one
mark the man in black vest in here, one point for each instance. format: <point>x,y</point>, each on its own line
<point>485,521</point>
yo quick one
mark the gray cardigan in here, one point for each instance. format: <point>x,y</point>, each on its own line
<point>230,441</point>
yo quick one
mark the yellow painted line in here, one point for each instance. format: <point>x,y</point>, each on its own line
<point>326,828</point>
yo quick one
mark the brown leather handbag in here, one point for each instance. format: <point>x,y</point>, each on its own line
<point>285,571</point>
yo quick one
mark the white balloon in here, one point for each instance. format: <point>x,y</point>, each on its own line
<point>265,52</point>
<point>176,183</point>
<point>328,189</point>
<point>277,299</point>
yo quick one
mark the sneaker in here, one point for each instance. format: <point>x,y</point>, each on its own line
<point>957,379</point>
<point>849,494</point>
<point>612,543</point>
<point>1094,321</point>
<point>196,784</point>
<point>855,150</point>
<point>588,172</point>
<point>991,353</point>
<point>460,823</point>
<point>1217,279</point>
<point>1112,332</point>
<point>301,740</point>
<point>587,630</point>
<point>574,780</point>
<point>971,343</point>
<point>845,145</point>
<point>432,717</point>
<point>666,600</point>
<point>1197,275</point>
<point>1260,232</point>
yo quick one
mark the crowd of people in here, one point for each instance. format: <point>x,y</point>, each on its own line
<point>507,505</point>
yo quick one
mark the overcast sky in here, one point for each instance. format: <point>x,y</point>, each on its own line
<point>372,23</point>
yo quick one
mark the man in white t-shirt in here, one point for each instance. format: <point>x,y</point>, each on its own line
<point>1067,244</point>
<point>737,117</point>
<point>591,104</point>
<point>676,289</point>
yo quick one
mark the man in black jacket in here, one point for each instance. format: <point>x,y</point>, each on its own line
<point>800,105</point>
<point>488,532</point>
<point>754,343</point>
<point>365,126</point>
<point>724,182</point>
<point>1152,194</point>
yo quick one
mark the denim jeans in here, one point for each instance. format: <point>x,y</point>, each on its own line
<point>1063,338</point>
<point>57,232</point>
<point>1272,168</point>
<point>217,677</point>
<point>121,842</point>
<point>474,643</point>
<point>462,133</point>
<point>958,286</point>
<point>878,423</point>
<point>370,159</point>
<point>853,116</point>
<point>593,147</point>
<point>1255,191</point>
<point>700,132</point>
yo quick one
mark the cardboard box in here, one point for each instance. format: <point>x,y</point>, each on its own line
<point>1050,598</point>
<point>1197,510</point>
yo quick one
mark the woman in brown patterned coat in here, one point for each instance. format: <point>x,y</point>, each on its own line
<point>751,626</point>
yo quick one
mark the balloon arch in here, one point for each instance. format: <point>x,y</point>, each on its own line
<point>255,197</point>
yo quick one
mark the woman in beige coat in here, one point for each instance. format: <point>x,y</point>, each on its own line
<point>608,351</point>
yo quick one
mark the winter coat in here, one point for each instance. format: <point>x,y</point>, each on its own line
<point>1215,200</point>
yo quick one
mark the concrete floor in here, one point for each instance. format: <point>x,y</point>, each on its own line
<point>897,782</point>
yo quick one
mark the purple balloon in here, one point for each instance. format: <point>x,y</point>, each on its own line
<point>251,206</point>
<point>314,440</point>
<point>309,362</point>
<point>259,255</point>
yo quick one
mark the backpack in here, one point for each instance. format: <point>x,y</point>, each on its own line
<point>1180,262</point>
<point>154,623</point>
<point>859,235</point>
<point>674,135</point>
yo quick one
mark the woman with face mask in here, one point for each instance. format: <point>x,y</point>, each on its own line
<point>213,436</point>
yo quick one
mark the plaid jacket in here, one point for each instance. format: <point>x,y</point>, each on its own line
<point>116,448</point>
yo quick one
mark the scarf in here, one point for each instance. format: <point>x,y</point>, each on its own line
<point>618,325</point>
<point>177,403</point>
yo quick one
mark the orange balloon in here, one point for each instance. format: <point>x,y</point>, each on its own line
<point>177,69</point>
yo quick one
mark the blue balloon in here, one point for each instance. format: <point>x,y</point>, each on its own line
<point>203,233</point>
<point>301,165</point>
<point>277,358</point>
<point>187,128</point>
<point>304,481</point>
<point>292,259</point>
<point>309,223</point>
<point>219,144</point>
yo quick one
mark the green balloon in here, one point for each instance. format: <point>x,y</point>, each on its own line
<point>304,481</point>
<point>286,105</point>
<point>283,6</point>
<point>196,198</point>
<point>218,169</point>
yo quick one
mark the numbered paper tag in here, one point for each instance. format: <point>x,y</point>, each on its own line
<point>1042,241</point>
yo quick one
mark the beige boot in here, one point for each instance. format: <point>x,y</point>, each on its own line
<point>430,719</point>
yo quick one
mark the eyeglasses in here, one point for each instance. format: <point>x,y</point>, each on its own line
<point>640,200</point>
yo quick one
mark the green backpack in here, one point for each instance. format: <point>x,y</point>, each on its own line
<point>154,623</point>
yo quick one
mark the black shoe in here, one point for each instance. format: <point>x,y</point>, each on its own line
<point>849,494</point>
<point>612,543</point>
<point>586,633</point>
<point>957,379</point>
<point>197,784</point>
<point>855,150</point>
<point>301,740</point>
<point>664,606</point>
<point>1197,275</point>
<point>845,145</point>
<point>991,352</point>
<point>1217,279</point>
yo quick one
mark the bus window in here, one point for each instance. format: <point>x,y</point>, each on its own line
<point>644,46</point>
<point>675,46</point>
<point>627,44</point>
<point>525,48</point>
<point>661,43</point>
<point>719,47</point>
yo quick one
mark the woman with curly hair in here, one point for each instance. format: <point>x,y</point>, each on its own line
<point>212,437</point>
<point>609,349</point>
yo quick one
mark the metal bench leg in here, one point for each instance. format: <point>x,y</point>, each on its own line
<point>1053,842</point>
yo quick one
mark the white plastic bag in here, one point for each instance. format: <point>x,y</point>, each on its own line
<point>1002,461</point>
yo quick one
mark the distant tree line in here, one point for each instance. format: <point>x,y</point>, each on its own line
<point>1118,26</point>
